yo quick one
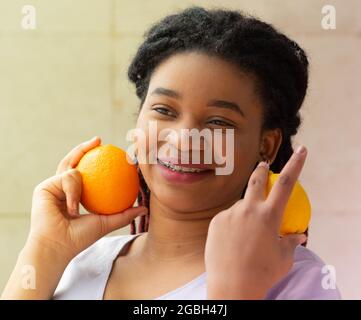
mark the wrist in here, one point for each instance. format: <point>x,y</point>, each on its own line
<point>220,294</point>
<point>234,290</point>
<point>48,250</point>
<point>37,272</point>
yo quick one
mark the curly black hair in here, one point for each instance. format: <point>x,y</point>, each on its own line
<point>278,64</point>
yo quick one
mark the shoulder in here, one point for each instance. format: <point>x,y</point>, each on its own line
<point>101,251</point>
<point>309,278</point>
<point>86,275</point>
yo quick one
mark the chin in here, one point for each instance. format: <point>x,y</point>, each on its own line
<point>183,201</point>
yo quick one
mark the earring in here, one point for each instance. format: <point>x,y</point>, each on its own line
<point>135,159</point>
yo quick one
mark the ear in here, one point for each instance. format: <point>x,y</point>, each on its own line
<point>270,143</point>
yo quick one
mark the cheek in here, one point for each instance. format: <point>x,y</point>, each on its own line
<point>146,138</point>
<point>244,157</point>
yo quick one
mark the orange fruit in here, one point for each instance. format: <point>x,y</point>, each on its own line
<point>297,214</point>
<point>110,182</point>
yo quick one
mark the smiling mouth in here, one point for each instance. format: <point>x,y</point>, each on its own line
<point>180,169</point>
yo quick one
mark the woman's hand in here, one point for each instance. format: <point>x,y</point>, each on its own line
<point>58,232</point>
<point>244,254</point>
<point>55,218</point>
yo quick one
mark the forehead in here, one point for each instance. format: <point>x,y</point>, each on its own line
<point>199,75</point>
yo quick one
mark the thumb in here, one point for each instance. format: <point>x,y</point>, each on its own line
<point>98,225</point>
<point>122,219</point>
<point>291,241</point>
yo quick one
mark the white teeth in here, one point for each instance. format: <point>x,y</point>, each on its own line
<point>174,167</point>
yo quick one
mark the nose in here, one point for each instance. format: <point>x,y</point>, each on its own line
<point>188,135</point>
<point>188,141</point>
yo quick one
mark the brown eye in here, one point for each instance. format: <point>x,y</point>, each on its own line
<point>164,111</point>
<point>221,123</point>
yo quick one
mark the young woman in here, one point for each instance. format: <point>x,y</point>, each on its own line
<point>201,235</point>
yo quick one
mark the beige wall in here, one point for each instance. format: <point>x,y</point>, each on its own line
<point>65,82</point>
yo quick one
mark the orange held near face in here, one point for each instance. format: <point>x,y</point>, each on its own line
<point>110,182</point>
<point>297,214</point>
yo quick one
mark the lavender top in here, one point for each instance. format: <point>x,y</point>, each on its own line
<point>87,274</point>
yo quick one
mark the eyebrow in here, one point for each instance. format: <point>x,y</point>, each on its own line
<point>166,92</point>
<point>212,103</point>
<point>227,105</point>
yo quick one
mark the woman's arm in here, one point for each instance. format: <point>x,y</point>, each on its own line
<point>37,272</point>
<point>58,232</point>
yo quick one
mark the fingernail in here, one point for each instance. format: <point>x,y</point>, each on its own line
<point>94,138</point>
<point>143,212</point>
<point>300,149</point>
<point>75,207</point>
<point>302,239</point>
<point>263,164</point>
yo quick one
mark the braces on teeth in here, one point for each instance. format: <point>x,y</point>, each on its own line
<point>174,167</point>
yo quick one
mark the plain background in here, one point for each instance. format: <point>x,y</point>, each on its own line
<point>65,82</point>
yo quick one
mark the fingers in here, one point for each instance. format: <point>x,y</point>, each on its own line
<point>73,157</point>
<point>100,225</point>
<point>257,183</point>
<point>116,221</point>
<point>65,187</point>
<point>282,189</point>
<point>71,182</point>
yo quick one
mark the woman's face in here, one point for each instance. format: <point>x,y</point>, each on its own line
<point>185,93</point>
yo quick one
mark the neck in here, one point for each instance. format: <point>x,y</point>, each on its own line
<point>176,236</point>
